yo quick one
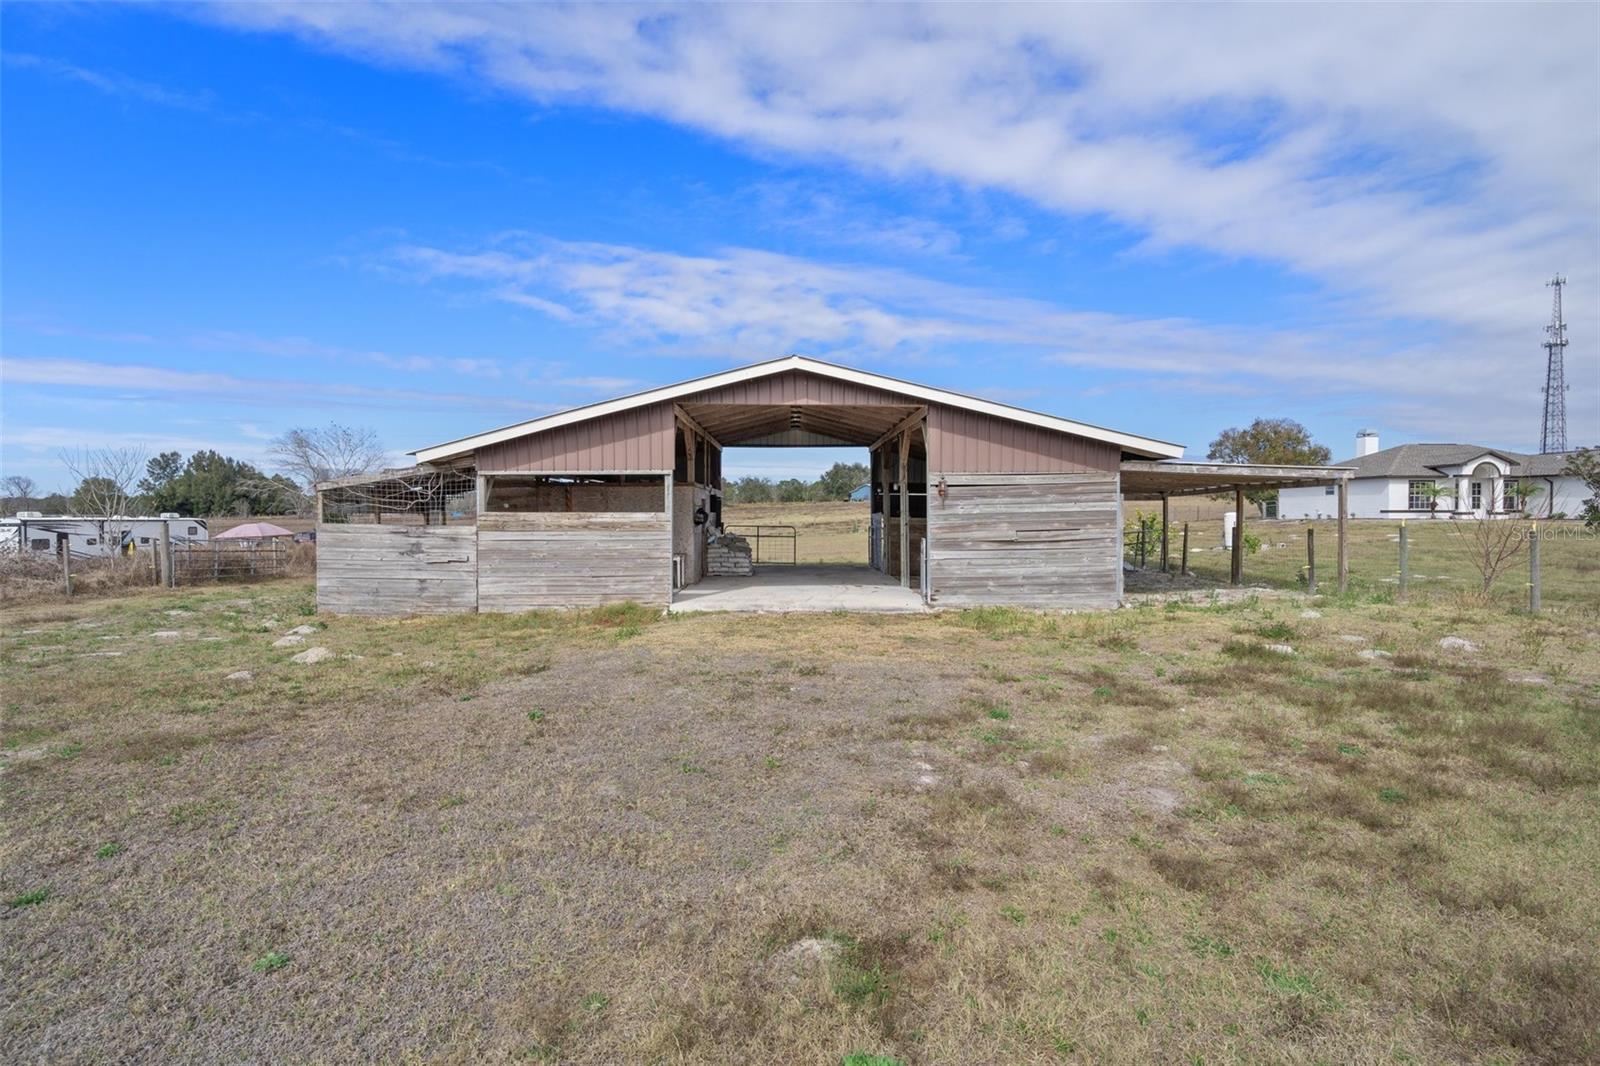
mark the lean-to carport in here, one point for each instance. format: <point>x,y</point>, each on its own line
<point>1143,480</point>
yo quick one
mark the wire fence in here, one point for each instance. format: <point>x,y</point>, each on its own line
<point>409,497</point>
<point>1514,563</point>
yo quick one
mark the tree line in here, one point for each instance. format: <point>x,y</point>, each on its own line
<point>836,483</point>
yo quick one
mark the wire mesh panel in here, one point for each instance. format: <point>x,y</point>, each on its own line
<point>412,497</point>
<point>225,561</point>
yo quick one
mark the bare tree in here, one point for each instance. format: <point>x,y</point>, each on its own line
<point>20,489</point>
<point>106,479</point>
<point>323,452</point>
<point>1489,545</point>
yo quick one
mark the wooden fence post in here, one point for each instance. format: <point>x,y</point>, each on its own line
<point>1405,560</point>
<point>1311,561</point>
<point>66,562</point>
<point>1183,557</point>
<point>1534,589</point>
<point>1166,530</point>
<point>164,546</point>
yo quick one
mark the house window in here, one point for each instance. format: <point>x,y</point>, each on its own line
<point>1331,490</point>
<point>1512,501</point>
<point>1417,496</point>
<point>1477,495</point>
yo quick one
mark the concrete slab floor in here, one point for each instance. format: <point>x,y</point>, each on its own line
<point>818,587</point>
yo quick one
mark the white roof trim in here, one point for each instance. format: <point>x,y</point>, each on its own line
<point>1130,442</point>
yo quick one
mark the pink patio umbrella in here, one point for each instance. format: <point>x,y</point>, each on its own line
<point>253,531</point>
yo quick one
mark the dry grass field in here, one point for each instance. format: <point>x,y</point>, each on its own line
<point>824,532</point>
<point>970,837</point>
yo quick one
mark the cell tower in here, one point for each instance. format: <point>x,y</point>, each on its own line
<point>1553,435</point>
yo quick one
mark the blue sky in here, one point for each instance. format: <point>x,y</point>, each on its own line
<point>220,223</point>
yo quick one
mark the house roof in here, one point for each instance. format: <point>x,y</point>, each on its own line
<point>1427,461</point>
<point>1144,446</point>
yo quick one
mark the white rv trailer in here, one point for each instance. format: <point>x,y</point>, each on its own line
<point>89,538</point>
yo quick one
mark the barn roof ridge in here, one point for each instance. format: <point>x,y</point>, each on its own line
<point>1147,446</point>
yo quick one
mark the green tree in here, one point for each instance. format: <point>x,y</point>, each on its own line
<point>793,490</point>
<point>1268,441</point>
<point>1584,464</point>
<point>159,474</point>
<point>90,497</point>
<point>751,490</point>
<point>840,480</point>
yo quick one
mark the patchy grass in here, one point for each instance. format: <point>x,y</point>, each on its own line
<point>593,837</point>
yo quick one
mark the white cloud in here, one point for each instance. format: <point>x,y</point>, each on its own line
<point>744,305</point>
<point>1438,160</point>
<point>137,380</point>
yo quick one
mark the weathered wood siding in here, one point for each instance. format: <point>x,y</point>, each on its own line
<point>576,559</point>
<point>383,569</point>
<point>1040,540</point>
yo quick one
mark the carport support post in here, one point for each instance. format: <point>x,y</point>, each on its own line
<point>1311,561</point>
<point>1166,518</point>
<point>905,509</point>
<point>1237,576</point>
<point>1344,535</point>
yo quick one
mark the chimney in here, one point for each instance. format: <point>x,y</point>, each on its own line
<point>1366,442</point>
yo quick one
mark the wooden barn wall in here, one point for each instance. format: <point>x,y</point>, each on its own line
<point>554,559</point>
<point>640,439</point>
<point>964,442</point>
<point>1044,540</point>
<point>382,569</point>
<point>798,387</point>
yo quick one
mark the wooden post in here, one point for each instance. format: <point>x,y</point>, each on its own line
<point>1139,548</point>
<point>905,509</point>
<point>881,477</point>
<point>1237,575</point>
<point>1311,561</point>
<point>1183,557</point>
<point>65,543</point>
<point>1344,535</point>
<point>1405,560</point>
<point>1535,591</point>
<point>164,546</point>
<point>1166,523</point>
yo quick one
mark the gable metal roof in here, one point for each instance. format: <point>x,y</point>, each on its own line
<point>1145,446</point>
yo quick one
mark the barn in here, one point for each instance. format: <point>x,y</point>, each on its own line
<point>973,502</point>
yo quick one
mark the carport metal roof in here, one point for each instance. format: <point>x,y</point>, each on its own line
<point>1143,480</point>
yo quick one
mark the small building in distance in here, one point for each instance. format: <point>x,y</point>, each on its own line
<point>1444,481</point>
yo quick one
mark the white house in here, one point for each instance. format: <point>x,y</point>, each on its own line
<point>1472,480</point>
<point>88,538</point>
